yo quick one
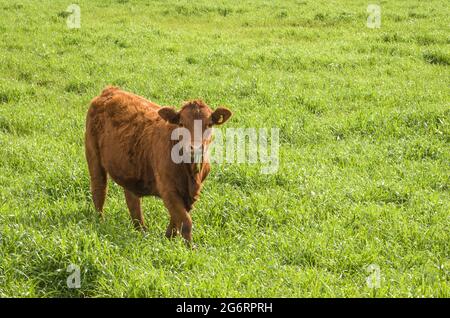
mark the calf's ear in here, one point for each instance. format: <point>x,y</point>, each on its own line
<point>169,114</point>
<point>220,115</point>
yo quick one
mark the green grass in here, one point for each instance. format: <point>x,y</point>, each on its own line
<point>364,157</point>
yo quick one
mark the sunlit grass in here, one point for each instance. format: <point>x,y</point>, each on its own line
<point>364,156</point>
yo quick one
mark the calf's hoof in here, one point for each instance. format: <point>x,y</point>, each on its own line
<point>171,233</point>
<point>140,228</point>
<point>190,245</point>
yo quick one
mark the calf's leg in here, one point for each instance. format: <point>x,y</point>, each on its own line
<point>180,220</point>
<point>98,177</point>
<point>134,206</point>
<point>172,230</point>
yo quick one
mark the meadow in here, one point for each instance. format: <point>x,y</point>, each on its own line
<point>363,183</point>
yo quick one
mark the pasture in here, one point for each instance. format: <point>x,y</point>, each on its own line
<point>362,189</point>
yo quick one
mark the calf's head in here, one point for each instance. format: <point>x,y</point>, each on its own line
<point>197,120</point>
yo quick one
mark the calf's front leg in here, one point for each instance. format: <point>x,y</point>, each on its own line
<point>180,220</point>
<point>134,205</point>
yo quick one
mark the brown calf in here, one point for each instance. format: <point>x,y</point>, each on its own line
<point>129,139</point>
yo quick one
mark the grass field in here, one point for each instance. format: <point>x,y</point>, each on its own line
<point>364,148</point>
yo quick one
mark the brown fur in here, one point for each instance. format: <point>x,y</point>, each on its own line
<point>128,140</point>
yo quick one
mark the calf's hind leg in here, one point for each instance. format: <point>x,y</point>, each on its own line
<point>98,176</point>
<point>134,205</point>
